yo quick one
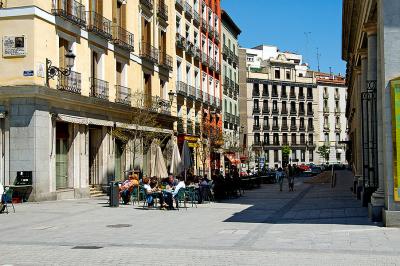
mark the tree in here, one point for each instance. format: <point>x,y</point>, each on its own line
<point>285,154</point>
<point>324,151</point>
<point>144,126</point>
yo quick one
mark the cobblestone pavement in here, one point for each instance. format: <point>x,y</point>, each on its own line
<point>315,225</point>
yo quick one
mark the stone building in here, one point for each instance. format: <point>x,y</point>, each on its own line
<point>371,43</point>
<point>61,130</point>
<point>281,101</point>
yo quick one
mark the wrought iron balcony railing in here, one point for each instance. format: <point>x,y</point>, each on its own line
<point>310,112</point>
<point>149,52</point>
<point>71,83</point>
<point>204,25</point>
<point>182,88</point>
<point>292,96</point>
<point>275,111</point>
<point>122,38</point>
<point>188,10</point>
<point>310,128</point>
<point>285,128</point>
<point>293,128</point>
<point>196,18</point>
<point>151,103</point>
<point>99,25</point>
<point>309,96</point>
<point>216,37</point>
<point>70,10</point>
<point>196,52</point>
<point>301,96</point>
<point>99,88</point>
<point>180,41</point>
<point>165,61</point>
<point>293,111</point>
<point>189,127</point>
<point>302,128</point>
<point>256,110</point>
<point>302,112</point>
<point>256,93</point>
<point>147,3</point>
<point>211,63</point>
<point>265,110</point>
<point>199,95</point>
<point>197,128</point>
<point>284,111</point>
<point>256,127</point>
<point>181,130</point>
<point>191,92</point>
<point>162,10</point>
<point>204,59</point>
<point>266,127</point>
<point>123,95</point>
<point>206,98</point>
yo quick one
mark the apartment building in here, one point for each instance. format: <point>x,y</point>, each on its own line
<point>58,113</point>
<point>198,79</point>
<point>230,103</point>
<point>332,127</point>
<point>281,101</point>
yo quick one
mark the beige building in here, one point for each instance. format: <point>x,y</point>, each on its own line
<point>62,130</point>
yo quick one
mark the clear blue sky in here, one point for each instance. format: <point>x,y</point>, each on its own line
<point>293,25</point>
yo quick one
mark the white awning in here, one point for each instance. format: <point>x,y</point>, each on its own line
<point>143,128</point>
<point>73,119</point>
<point>100,122</point>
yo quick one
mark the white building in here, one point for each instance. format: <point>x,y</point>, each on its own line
<point>332,122</point>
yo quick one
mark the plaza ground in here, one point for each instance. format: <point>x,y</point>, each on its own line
<point>315,225</point>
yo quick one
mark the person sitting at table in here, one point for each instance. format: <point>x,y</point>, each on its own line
<point>171,182</point>
<point>127,186</point>
<point>180,185</point>
<point>151,193</point>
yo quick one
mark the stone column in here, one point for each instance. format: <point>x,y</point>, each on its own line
<point>377,199</point>
<point>363,87</point>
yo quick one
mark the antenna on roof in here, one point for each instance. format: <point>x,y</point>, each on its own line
<point>318,55</point>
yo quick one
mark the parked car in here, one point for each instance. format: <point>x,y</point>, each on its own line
<point>304,167</point>
<point>315,170</point>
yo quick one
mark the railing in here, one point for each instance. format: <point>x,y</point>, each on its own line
<point>302,112</point>
<point>293,111</point>
<point>284,95</point>
<point>256,93</point>
<point>338,126</point>
<point>256,110</point>
<point>337,110</point>
<point>266,127</point>
<point>123,95</point>
<point>206,97</point>
<point>310,112</point>
<point>293,128</point>
<point>311,144</point>
<point>149,52</point>
<point>235,59</point>
<point>188,10</point>
<point>337,96</point>
<point>301,96</point>
<point>310,128</point>
<point>99,25</point>
<point>226,52</point>
<point>284,111</point>
<point>181,130</point>
<point>292,96</point>
<point>72,11</point>
<point>199,95</point>
<point>191,92</point>
<point>211,32</point>
<point>285,127</point>
<point>212,100</point>
<point>326,95</point>
<point>275,111</point>
<point>204,59</point>
<point>162,10</point>
<point>179,4</point>
<point>180,41</point>
<point>326,110</point>
<point>256,127</point>
<point>152,103</point>
<point>217,68</point>
<point>181,88</point>
<point>71,83</point>
<point>196,17</point>
<point>309,97</point>
<point>166,61</point>
<point>122,38</point>
<point>211,63</point>
<point>147,3</point>
<point>98,88</point>
<point>265,110</point>
<point>197,128</point>
<point>302,128</point>
<point>189,48</point>
<point>274,94</point>
<point>203,25</point>
<point>326,126</point>
<point>275,127</point>
<point>189,127</point>
<point>216,37</point>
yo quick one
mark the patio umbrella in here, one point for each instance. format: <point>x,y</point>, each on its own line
<point>176,161</point>
<point>186,157</point>
<point>160,169</point>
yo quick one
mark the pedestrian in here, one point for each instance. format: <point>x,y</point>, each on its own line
<point>290,178</point>
<point>279,177</point>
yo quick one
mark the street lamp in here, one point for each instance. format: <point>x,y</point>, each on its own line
<point>171,96</point>
<point>52,71</point>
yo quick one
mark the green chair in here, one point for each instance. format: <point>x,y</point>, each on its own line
<point>179,197</point>
<point>192,195</point>
<point>135,196</point>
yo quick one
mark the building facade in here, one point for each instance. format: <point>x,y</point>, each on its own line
<point>60,125</point>
<point>281,101</point>
<point>371,34</point>
<point>230,97</point>
<point>332,122</point>
<point>198,80</point>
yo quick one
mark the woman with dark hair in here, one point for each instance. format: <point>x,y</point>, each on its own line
<point>279,177</point>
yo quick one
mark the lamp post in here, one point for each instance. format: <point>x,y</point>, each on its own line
<point>52,71</point>
<point>171,96</point>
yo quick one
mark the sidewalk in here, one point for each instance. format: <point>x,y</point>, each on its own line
<point>313,225</point>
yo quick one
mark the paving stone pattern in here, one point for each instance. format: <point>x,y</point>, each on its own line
<point>315,225</point>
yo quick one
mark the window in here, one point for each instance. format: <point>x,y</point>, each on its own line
<point>293,139</point>
<point>284,107</point>
<point>266,121</point>
<point>274,91</point>
<point>266,138</point>
<point>275,106</point>
<point>310,138</point>
<point>294,156</point>
<point>293,121</point>
<point>284,139</point>
<point>284,121</point>
<point>257,121</point>
<point>276,156</point>
<point>337,139</point>
<point>257,138</point>
<point>287,74</point>
<point>338,156</point>
<point>302,139</point>
<point>256,104</point>
<point>311,155</point>
<point>256,89</point>
<point>326,138</point>
<point>303,155</point>
<point>277,73</point>
<point>275,121</point>
<point>276,139</point>
<point>310,123</point>
<point>265,90</point>
<point>178,24</point>
<point>292,92</point>
<point>301,122</point>
<point>300,75</point>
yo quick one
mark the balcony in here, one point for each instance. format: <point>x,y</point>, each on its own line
<point>181,130</point>
<point>326,127</point>
<point>206,98</point>
<point>72,11</point>
<point>71,83</point>
<point>217,68</point>
<point>191,92</point>
<point>203,25</point>
<point>204,59</point>
<point>122,38</point>
<point>211,100</point>
<point>123,95</point>
<point>292,96</point>
<point>310,128</point>
<point>301,96</point>
<point>257,144</point>
<point>265,93</point>
<point>309,97</point>
<point>227,117</point>
<point>337,96</point>
<point>99,25</point>
<point>293,112</point>
<point>235,59</point>
<point>162,10</point>
<point>256,110</point>
<point>226,89</point>
<point>275,111</point>
<point>326,95</point>
<point>189,127</point>
<point>275,128</point>
<point>179,4</point>
<point>98,88</point>
<point>302,128</point>
<point>274,94</point>
<point>256,128</point>
<point>188,10</point>
<point>148,4</point>
<point>152,103</point>
<point>196,18</point>
<point>310,112</point>
<point>302,112</point>
<point>293,128</point>
<point>197,53</point>
<point>237,120</point>
<point>165,61</point>
<point>180,41</point>
<point>285,128</point>
<point>338,127</point>
<point>211,63</point>
<point>149,52</point>
<point>197,128</point>
<point>284,111</point>
<point>337,111</point>
<point>199,95</point>
<point>266,127</point>
<point>284,96</point>
<point>226,52</point>
<point>311,145</point>
<point>217,103</point>
<point>326,109</point>
<point>189,48</point>
<point>182,88</point>
<point>265,110</point>
<point>216,37</point>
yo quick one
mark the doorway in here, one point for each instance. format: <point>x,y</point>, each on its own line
<point>95,137</point>
<point>62,135</point>
<point>119,160</point>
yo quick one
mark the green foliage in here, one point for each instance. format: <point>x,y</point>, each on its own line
<point>324,151</point>
<point>286,150</point>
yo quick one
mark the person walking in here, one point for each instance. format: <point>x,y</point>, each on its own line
<point>279,177</point>
<point>290,178</point>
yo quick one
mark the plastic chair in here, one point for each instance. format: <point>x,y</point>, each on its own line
<point>7,197</point>
<point>192,195</point>
<point>180,196</point>
<point>135,196</point>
